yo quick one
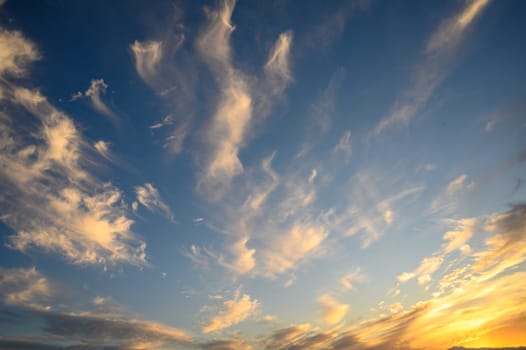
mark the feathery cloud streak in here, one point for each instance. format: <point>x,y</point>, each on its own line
<point>439,52</point>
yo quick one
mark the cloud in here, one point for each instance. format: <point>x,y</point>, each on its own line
<point>291,247</point>
<point>98,88</point>
<point>457,240</point>
<point>439,54</point>
<point>348,280</point>
<point>168,120</point>
<point>49,198</point>
<point>285,235</point>
<point>244,257</point>
<point>16,53</point>
<point>321,112</point>
<point>171,72</point>
<point>371,208</point>
<point>24,286</point>
<point>148,55</point>
<point>103,148</point>
<point>149,197</point>
<point>233,312</point>
<point>344,145</point>
<point>175,140</point>
<point>233,112</point>
<point>228,344</point>
<point>331,310</point>
<point>396,308</point>
<point>236,257</point>
<point>470,300</point>
<point>452,195</point>
<point>507,247</point>
<point>94,331</point>
<point>284,337</point>
<point>232,119</point>
<point>261,191</point>
<point>330,28</point>
<point>459,237</point>
<point>277,68</point>
<point>427,166</point>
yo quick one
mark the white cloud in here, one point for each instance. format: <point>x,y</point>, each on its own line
<point>460,236</point>
<point>149,196</point>
<point>291,247</point>
<point>396,308</point>
<point>439,55</point>
<point>457,240</point>
<point>103,148</point>
<point>232,312</point>
<point>148,55</point>
<point>95,92</point>
<point>16,53</point>
<point>233,113</point>
<point>261,191</point>
<point>21,286</point>
<point>331,310</point>
<point>50,199</point>
<point>277,68</point>
<point>427,267</point>
<point>240,258</point>
<point>348,280</point>
<point>168,120</point>
<point>456,184</point>
<point>233,116</point>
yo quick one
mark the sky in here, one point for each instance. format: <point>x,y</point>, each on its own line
<point>225,175</point>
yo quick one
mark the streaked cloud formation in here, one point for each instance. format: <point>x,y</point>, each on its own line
<point>49,198</point>
<point>303,222</point>
<point>233,115</point>
<point>149,196</point>
<point>439,55</point>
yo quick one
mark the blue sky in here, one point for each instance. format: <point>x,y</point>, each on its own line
<point>262,175</point>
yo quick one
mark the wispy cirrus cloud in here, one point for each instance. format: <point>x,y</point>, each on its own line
<point>49,198</point>
<point>95,93</point>
<point>439,53</point>
<point>277,67</point>
<point>149,197</point>
<point>148,55</point>
<point>231,121</point>
<point>233,114</point>
<point>374,207</point>
<point>344,146</point>
<point>450,197</point>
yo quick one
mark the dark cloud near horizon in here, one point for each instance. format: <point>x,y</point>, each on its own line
<point>89,331</point>
<point>18,344</point>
